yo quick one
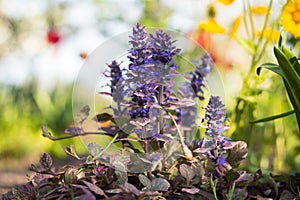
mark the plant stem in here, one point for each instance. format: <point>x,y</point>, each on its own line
<point>249,79</point>
<point>107,146</point>
<point>160,117</point>
<point>161,120</point>
<point>213,185</point>
<point>251,21</point>
<point>146,149</point>
<point>231,191</point>
<point>187,152</point>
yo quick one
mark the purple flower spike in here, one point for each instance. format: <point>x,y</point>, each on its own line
<point>202,70</point>
<point>214,147</point>
<point>215,116</point>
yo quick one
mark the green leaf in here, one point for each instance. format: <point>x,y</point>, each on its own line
<point>291,78</point>
<point>138,164</point>
<point>237,153</point>
<point>294,61</point>
<point>290,74</point>
<point>160,184</point>
<point>122,177</point>
<point>145,181</point>
<point>293,101</point>
<point>94,149</point>
<point>280,41</point>
<point>271,118</point>
<point>231,176</point>
<point>287,52</point>
<point>120,170</point>
<point>270,66</point>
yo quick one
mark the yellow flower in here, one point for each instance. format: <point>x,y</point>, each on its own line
<point>290,17</point>
<point>226,2</point>
<point>259,10</point>
<point>235,25</point>
<point>271,34</point>
<point>210,26</point>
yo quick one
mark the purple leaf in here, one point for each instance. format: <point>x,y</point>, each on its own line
<point>95,189</point>
<point>160,184</point>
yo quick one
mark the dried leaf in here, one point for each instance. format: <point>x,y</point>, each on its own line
<point>191,190</point>
<point>45,132</point>
<point>71,152</point>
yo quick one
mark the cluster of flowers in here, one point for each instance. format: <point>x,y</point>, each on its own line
<point>148,82</point>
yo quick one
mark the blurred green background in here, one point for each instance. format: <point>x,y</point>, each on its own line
<point>43,45</point>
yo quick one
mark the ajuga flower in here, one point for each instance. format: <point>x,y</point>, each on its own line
<point>117,86</point>
<point>151,57</point>
<point>150,72</point>
<point>215,116</point>
<point>193,89</point>
<point>215,145</point>
<point>141,101</point>
<point>202,70</point>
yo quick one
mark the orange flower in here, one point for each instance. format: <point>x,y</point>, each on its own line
<point>211,26</point>
<point>290,17</point>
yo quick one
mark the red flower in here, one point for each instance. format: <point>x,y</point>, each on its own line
<point>53,36</point>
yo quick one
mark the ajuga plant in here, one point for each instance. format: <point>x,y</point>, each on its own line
<point>150,121</point>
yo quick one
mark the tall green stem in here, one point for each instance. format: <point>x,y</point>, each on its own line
<point>259,51</point>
